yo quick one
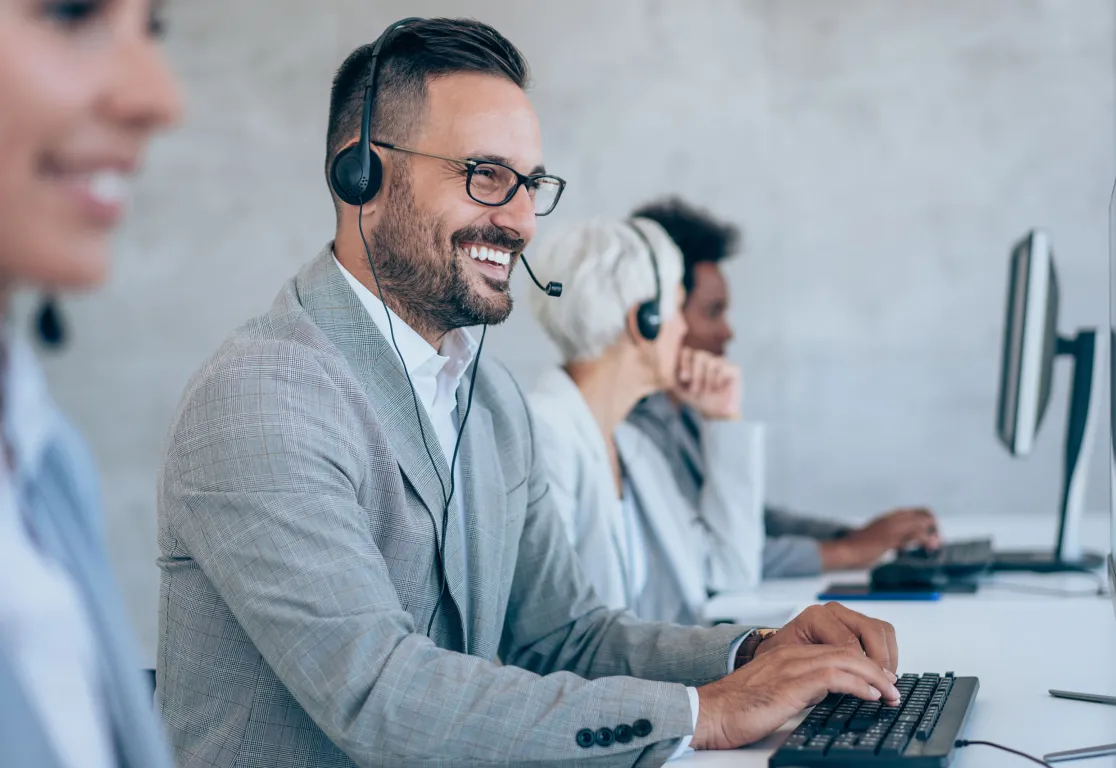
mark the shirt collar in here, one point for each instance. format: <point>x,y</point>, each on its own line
<point>456,353</point>
<point>29,414</point>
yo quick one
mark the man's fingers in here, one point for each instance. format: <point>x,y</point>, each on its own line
<point>823,628</point>
<point>877,638</point>
<point>844,628</point>
<point>846,674</point>
<point>910,527</point>
<point>866,669</point>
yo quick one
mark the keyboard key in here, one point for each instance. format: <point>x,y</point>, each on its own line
<point>861,723</point>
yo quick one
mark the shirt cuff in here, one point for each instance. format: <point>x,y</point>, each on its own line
<point>684,745</point>
<point>733,651</point>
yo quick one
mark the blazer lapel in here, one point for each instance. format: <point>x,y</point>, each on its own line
<point>485,498</point>
<point>337,311</point>
<point>667,515</point>
<point>555,389</point>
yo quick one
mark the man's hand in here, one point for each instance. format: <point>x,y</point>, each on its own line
<point>709,384</point>
<point>900,528</point>
<point>761,696</point>
<point>835,625</point>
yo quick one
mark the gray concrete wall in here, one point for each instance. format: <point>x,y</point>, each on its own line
<point>883,156</point>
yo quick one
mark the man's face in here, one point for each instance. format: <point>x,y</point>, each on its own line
<point>446,257</point>
<point>706,311</point>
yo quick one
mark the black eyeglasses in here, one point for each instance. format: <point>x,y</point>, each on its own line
<point>495,184</point>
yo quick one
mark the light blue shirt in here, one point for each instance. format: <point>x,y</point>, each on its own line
<point>45,631</point>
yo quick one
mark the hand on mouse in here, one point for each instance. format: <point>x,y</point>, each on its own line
<point>901,528</point>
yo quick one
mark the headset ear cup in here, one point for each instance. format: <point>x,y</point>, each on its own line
<point>649,320</point>
<point>345,176</point>
<point>375,177</point>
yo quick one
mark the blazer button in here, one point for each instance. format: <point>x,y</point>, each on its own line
<point>585,738</point>
<point>642,728</point>
<point>605,737</point>
<point>623,733</point>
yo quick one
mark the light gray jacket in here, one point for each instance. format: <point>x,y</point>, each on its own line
<point>791,547</point>
<point>692,550</point>
<point>298,519</point>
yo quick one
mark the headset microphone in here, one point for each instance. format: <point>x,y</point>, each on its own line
<point>550,289</point>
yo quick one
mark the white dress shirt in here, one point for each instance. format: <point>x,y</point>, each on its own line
<point>634,545</point>
<point>44,629</point>
<point>436,375</point>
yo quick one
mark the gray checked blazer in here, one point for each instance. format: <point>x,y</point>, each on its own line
<point>298,519</point>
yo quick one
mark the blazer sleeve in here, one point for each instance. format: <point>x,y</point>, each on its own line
<point>258,484</point>
<point>780,522</point>
<point>731,504</point>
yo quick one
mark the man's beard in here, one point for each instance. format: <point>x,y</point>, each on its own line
<point>420,275</point>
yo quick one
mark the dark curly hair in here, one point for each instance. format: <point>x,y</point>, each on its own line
<point>700,237</point>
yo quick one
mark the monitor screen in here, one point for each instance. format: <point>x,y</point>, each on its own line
<point>1112,389</point>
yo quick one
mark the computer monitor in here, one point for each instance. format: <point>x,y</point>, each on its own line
<point>1112,396</point>
<point>1110,441</point>
<point>1030,343</point>
<point>1031,347</point>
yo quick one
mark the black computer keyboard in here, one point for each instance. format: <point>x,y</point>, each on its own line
<point>919,733</point>
<point>935,568</point>
<point>965,552</point>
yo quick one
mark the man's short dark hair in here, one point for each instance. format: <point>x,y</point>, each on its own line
<point>415,54</point>
<point>701,238</point>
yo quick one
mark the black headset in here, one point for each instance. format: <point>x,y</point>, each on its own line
<point>649,317</point>
<point>357,172</point>
<point>356,176</point>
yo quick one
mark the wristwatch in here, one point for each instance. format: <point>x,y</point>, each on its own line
<point>747,650</point>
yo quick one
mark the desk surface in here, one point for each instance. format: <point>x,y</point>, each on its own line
<point>1019,644</point>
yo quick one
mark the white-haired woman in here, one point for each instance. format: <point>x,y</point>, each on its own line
<point>641,544</point>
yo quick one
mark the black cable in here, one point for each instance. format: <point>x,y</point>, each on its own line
<point>446,497</point>
<point>453,483</point>
<point>964,743</point>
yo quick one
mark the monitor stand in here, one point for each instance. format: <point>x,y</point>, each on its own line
<point>1088,376</point>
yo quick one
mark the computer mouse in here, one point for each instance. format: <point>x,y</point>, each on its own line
<point>907,575</point>
<point>919,553</point>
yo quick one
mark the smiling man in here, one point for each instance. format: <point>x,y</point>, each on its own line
<point>353,516</point>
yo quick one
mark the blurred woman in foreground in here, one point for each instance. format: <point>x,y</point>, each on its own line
<point>83,88</point>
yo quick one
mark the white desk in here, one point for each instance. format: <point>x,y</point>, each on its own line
<point>1019,645</point>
